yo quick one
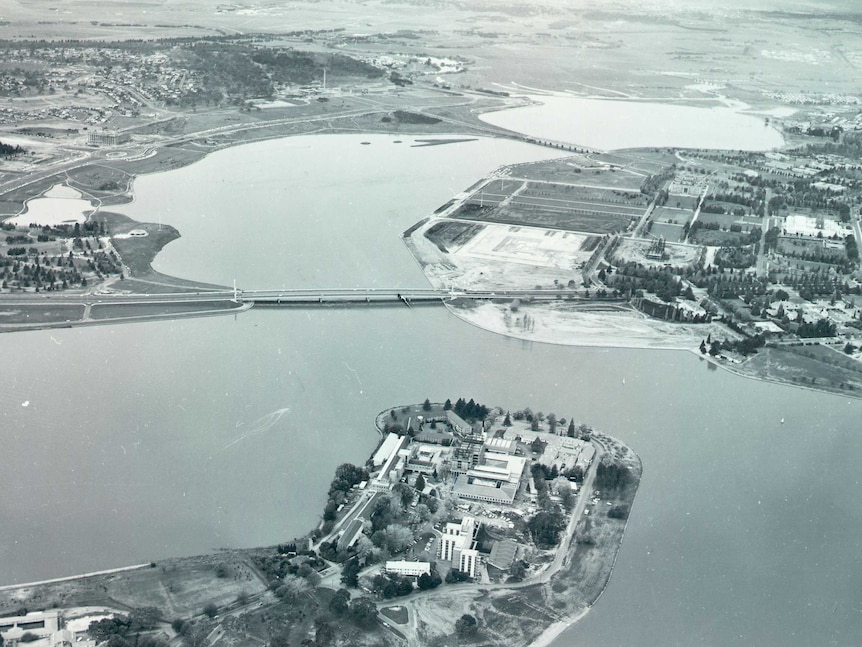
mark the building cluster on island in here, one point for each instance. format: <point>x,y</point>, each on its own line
<point>482,469</point>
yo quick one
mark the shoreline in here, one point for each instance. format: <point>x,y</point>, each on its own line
<point>82,576</point>
<point>635,345</point>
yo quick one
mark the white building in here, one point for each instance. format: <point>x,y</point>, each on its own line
<point>393,464</point>
<point>408,569</point>
<point>391,444</point>
<point>457,545</point>
<point>468,561</point>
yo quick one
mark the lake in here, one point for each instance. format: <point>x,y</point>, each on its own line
<point>151,440</point>
<point>608,124</point>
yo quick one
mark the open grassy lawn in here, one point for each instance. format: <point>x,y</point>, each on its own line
<point>120,310</point>
<point>178,588</point>
<point>813,366</point>
<point>396,614</point>
<point>33,314</point>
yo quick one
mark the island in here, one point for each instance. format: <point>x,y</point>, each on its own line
<point>466,525</point>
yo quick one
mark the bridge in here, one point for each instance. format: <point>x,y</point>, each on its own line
<point>28,311</point>
<point>405,296</point>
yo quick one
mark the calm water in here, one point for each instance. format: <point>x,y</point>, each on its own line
<point>609,125</point>
<point>150,440</point>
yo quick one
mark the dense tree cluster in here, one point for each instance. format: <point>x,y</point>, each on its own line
<point>466,626</point>
<point>122,631</point>
<point>611,476</point>
<point>470,410</point>
<point>632,276</point>
<point>821,328</point>
<point>545,528</point>
<point>8,149</point>
<point>391,585</point>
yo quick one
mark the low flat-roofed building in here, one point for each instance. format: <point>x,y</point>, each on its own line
<point>107,138</point>
<point>351,534</point>
<point>408,569</point>
<point>503,554</point>
<point>585,457</point>
<point>458,423</point>
<point>500,446</point>
<point>496,480</point>
<point>482,490</point>
<point>391,444</point>
<point>393,467</point>
<point>426,458</point>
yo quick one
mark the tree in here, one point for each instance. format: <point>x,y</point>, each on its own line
<point>144,618</point>
<point>448,405</point>
<point>405,494</point>
<point>350,573</point>
<point>552,423</point>
<point>291,588</point>
<point>507,421</point>
<point>429,581</point>
<point>545,527</point>
<point>211,610</point>
<point>363,611</point>
<point>517,571</point>
<point>426,406</point>
<point>310,575</point>
<point>398,538</point>
<point>537,446</point>
<point>571,430</point>
<point>420,483</point>
<point>454,576</point>
<point>346,476</point>
<point>339,605</point>
<point>467,626</point>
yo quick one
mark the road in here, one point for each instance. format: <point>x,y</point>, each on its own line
<point>762,268</point>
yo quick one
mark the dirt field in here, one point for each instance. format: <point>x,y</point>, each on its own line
<point>529,246</point>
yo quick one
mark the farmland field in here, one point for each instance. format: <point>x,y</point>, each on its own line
<point>554,206</point>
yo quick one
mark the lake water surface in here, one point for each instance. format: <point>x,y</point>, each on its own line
<point>608,124</point>
<point>152,440</point>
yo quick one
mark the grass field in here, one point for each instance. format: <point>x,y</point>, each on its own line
<point>813,365</point>
<point>122,310</point>
<point>33,314</point>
